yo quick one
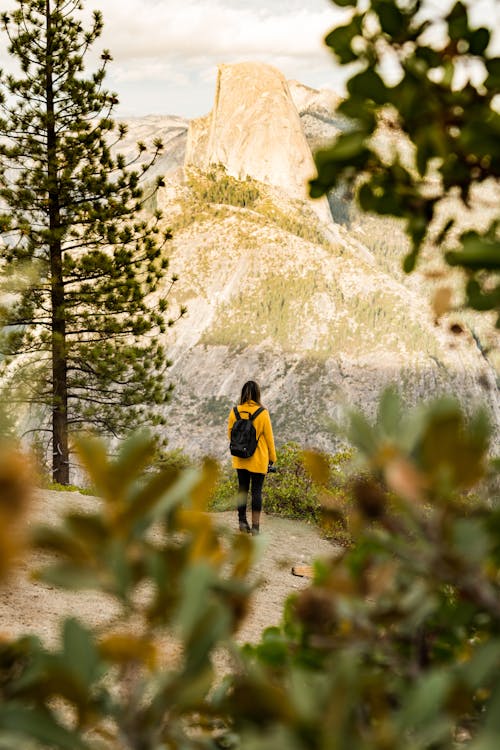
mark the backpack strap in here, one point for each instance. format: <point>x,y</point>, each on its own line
<point>256,413</point>
<point>236,412</point>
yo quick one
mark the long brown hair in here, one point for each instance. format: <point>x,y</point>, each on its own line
<point>250,392</point>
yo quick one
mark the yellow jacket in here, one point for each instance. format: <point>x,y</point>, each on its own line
<point>265,451</point>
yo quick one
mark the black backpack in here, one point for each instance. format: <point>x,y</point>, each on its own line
<point>243,436</point>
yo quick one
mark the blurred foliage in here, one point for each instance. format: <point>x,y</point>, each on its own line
<point>396,645</point>
<point>16,494</point>
<point>166,570</point>
<point>444,102</point>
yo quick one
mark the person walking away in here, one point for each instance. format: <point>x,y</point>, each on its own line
<point>251,470</point>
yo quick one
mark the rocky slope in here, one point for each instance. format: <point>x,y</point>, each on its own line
<point>171,130</point>
<point>318,312</point>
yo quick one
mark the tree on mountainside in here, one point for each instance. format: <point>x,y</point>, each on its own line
<point>76,241</point>
<point>445,101</point>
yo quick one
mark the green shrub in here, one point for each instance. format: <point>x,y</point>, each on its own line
<point>291,492</point>
<point>216,186</point>
<point>173,459</point>
<point>224,496</point>
<point>69,488</point>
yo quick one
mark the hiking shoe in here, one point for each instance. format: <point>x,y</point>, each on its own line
<point>254,531</point>
<point>245,528</point>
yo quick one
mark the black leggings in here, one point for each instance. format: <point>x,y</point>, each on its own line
<point>245,478</point>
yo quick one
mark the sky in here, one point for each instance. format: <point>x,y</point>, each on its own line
<point>166,52</point>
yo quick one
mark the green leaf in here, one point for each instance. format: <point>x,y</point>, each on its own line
<point>89,529</point>
<point>176,493</point>
<point>390,412</point>
<point>477,253</point>
<point>347,146</point>
<point>458,22</point>
<point>68,576</point>
<point>425,149</point>
<point>138,513</point>
<point>479,40</point>
<point>492,82</point>
<point>212,627</point>
<point>272,649</point>
<point>479,300</point>
<point>340,40</point>
<point>361,434</point>
<point>40,725</point>
<point>451,451</point>
<point>197,582</point>
<point>79,652</point>
<point>491,722</point>
<point>369,85</point>
<point>482,665</point>
<point>189,690</point>
<point>430,56</point>
<point>392,20</point>
<point>425,701</point>
<point>471,539</point>
<point>135,454</point>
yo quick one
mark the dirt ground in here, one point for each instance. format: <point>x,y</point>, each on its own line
<point>27,606</point>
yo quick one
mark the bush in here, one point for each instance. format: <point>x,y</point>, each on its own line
<point>167,572</point>
<point>173,459</point>
<point>292,492</point>
<point>224,495</point>
<point>216,186</point>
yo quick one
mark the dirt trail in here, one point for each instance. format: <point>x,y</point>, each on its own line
<point>29,606</point>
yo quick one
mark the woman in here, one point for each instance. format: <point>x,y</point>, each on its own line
<point>252,471</point>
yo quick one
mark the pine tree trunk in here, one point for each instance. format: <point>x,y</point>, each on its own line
<point>60,460</point>
<point>60,451</point>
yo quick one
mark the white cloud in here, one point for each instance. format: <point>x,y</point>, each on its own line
<point>166,52</point>
<point>147,28</point>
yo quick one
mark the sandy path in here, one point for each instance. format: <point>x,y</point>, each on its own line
<point>29,606</point>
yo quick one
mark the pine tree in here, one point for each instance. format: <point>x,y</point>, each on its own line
<point>76,235</point>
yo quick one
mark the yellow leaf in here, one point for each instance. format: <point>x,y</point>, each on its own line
<point>16,488</point>
<point>441,301</point>
<point>404,479</point>
<point>92,454</point>
<point>316,464</point>
<point>123,648</point>
<point>205,488</point>
<point>244,551</point>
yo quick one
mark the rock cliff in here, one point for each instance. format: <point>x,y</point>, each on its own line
<point>254,130</point>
